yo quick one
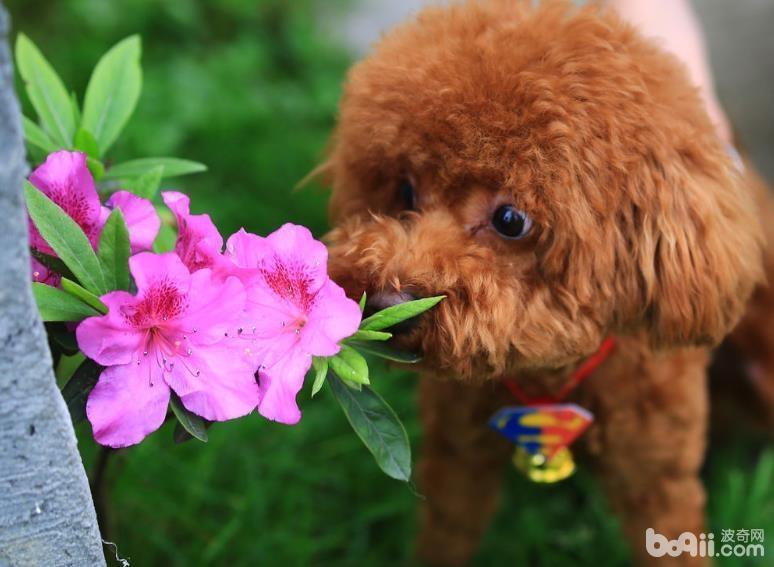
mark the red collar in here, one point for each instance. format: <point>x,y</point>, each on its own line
<point>584,371</point>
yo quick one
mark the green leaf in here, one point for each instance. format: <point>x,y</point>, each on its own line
<point>363,335</point>
<point>387,352</point>
<point>59,335</point>
<point>66,366</point>
<point>173,167</point>
<point>398,313</point>
<point>84,295</point>
<point>66,238</point>
<point>114,251</point>
<point>57,305</point>
<point>166,239</point>
<point>192,423</point>
<point>113,91</point>
<point>37,137</point>
<point>362,302</point>
<point>148,183</point>
<point>46,91</point>
<point>96,168</point>
<point>85,142</point>
<point>378,427</point>
<point>78,388</point>
<point>349,365</point>
<point>320,365</point>
<point>52,263</point>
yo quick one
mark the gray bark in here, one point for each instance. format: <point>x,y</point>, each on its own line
<point>46,512</point>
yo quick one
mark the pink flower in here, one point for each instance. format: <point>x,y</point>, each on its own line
<point>65,179</point>
<point>140,216</point>
<point>198,243</point>
<point>171,335</point>
<point>295,311</point>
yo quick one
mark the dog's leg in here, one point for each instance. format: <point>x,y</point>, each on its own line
<point>460,468</point>
<point>648,444</point>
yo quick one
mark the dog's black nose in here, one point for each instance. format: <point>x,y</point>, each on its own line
<point>383,300</point>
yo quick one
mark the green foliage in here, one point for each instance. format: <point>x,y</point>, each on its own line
<point>57,305</point>
<point>386,318</point>
<point>350,366</point>
<point>113,251</point>
<point>377,425</point>
<point>363,335</point>
<point>320,366</point>
<point>170,167</point>
<point>37,137</point>
<point>189,421</point>
<point>46,91</point>
<point>386,351</point>
<point>371,417</point>
<point>76,391</point>
<point>113,92</point>
<point>147,184</point>
<point>66,238</point>
<point>85,142</point>
<point>84,295</point>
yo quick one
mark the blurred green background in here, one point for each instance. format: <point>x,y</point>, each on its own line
<point>250,89</point>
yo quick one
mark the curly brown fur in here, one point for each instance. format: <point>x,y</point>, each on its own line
<point>643,229</point>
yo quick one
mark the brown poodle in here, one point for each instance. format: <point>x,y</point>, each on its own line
<point>556,177</point>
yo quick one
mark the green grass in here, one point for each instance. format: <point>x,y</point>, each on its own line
<point>265,494</point>
<point>250,88</point>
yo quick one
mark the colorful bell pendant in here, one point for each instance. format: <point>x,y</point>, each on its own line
<point>543,434</point>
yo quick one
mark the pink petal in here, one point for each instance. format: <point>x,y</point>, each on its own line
<point>215,307</point>
<point>124,407</point>
<point>215,382</point>
<point>110,339</point>
<point>297,260</point>
<point>268,314</point>
<point>245,249</point>
<point>140,216</point>
<point>36,240</point>
<point>198,241</point>
<point>280,383</point>
<point>333,317</point>
<point>148,268</point>
<point>244,252</point>
<point>66,180</point>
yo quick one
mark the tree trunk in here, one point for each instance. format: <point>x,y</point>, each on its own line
<point>46,512</point>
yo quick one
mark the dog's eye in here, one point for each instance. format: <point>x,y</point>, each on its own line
<point>407,195</point>
<point>510,222</point>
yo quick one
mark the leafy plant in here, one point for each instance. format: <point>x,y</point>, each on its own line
<point>88,267</point>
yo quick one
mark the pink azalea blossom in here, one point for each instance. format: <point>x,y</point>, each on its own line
<point>198,242</point>
<point>172,335</point>
<point>66,180</point>
<point>141,219</point>
<point>295,311</point>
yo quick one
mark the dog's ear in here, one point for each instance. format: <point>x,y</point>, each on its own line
<point>321,173</point>
<point>696,241</point>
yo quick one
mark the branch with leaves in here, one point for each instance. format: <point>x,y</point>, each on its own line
<point>149,321</point>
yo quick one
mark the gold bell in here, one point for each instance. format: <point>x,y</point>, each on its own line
<point>539,468</point>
